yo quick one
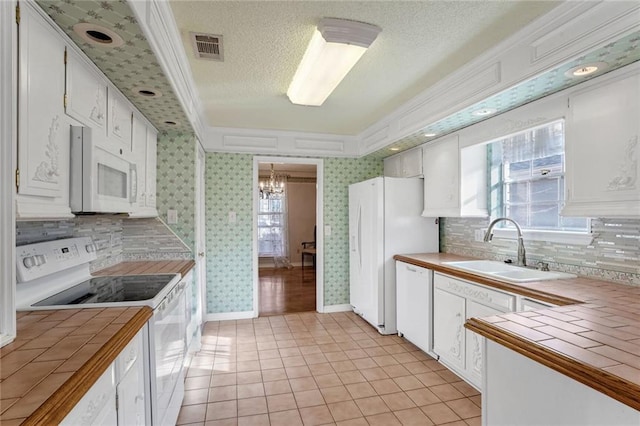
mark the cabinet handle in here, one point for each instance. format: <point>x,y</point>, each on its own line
<point>409,268</point>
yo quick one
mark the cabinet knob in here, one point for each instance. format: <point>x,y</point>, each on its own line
<point>201,254</point>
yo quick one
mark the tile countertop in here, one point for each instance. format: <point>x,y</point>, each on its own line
<point>59,354</point>
<point>592,337</point>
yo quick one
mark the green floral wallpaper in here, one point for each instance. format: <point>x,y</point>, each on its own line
<point>229,245</point>
<point>176,182</point>
<point>339,173</point>
<point>229,259</point>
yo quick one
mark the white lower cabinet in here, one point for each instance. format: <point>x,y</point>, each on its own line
<point>414,287</point>
<point>529,304</point>
<point>98,405</point>
<point>448,328</point>
<point>130,394</point>
<point>118,396</point>
<point>475,342</point>
<point>455,301</point>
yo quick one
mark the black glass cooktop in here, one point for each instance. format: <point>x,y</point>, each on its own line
<point>125,288</point>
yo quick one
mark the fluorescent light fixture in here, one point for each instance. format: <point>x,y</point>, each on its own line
<point>394,149</point>
<point>430,135</point>
<point>336,46</point>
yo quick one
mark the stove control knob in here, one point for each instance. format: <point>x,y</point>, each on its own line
<point>40,259</point>
<point>90,248</point>
<point>29,262</point>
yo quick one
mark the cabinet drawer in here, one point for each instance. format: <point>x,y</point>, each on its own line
<point>91,406</point>
<point>478,293</point>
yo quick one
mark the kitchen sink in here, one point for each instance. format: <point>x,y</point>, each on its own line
<point>506,272</point>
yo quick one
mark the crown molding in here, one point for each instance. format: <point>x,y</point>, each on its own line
<point>279,142</point>
<point>564,34</point>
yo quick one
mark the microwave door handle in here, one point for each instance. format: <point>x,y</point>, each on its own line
<point>133,175</point>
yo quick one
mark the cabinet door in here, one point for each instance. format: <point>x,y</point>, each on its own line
<point>412,163</point>
<point>86,95</point>
<point>139,144</point>
<point>119,122</point>
<point>475,342</point>
<point>448,328</point>
<point>602,151</point>
<point>393,166</point>
<point>413,301</point>
<point>150,168</point>
<point>131,396</point>
<point>43,145</point>
<point>98,405</point>
<point>441,169</point>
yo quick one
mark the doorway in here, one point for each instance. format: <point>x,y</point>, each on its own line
<point>288,267</point>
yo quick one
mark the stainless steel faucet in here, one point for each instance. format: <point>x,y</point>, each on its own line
<point>522,257</point>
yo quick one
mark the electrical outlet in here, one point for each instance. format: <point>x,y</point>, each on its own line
<point>172,216</point>
<point>479,235</point>
<point>232,217</point>
<point>327,230</point>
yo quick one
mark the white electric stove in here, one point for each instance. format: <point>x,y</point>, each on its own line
<point>55,275</point>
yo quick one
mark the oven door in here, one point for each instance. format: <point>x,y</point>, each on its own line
<point>101,182</point>
<point>168,348</point>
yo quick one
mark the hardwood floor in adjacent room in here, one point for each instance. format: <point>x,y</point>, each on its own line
<point>287,290</point>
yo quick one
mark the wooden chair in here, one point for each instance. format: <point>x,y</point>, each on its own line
<point>309,249</point>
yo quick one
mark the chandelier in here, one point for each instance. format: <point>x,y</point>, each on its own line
<point>272,186</point>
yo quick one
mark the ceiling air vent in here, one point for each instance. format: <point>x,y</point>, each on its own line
<point>207,46</point>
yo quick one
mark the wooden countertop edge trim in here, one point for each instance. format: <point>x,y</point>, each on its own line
<point>58,405</point>
<point>613,386</point>
<point>536,294</point>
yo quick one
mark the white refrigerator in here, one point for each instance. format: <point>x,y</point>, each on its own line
<point>384,220</point>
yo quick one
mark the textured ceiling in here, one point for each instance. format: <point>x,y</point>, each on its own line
<point>248,89</point>
<point>420,43</point>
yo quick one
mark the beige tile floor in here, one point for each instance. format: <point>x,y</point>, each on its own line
<point>316,369</point>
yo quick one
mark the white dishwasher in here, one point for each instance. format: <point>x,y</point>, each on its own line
<point>414,291</point>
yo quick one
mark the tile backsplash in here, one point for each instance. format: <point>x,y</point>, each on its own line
<point>117,237</point>
<point>613,255</point>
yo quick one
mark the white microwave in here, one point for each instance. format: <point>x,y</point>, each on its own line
<point>100,181</point>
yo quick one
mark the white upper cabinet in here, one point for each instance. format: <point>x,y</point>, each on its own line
<point>144,142</point>
<point>151,165</point>
<point>406,164</point>
<point>119,122</point>
<point>44,131</point>
<point>454,179</point>
<point>139,143</point>
<point>602,149</point>
<point>86,95</point>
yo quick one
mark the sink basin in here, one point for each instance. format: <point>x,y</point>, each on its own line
<point>505,272</point>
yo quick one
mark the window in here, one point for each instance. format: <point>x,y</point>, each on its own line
<point>270,227</point>
<point>527,179</point>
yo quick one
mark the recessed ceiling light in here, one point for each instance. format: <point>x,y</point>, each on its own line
<point>585,69</point>
<point>430,135</point>
<point>147,92</point>
<point>394,149</point>
<point>484,111</point>
<point>98,35</point>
